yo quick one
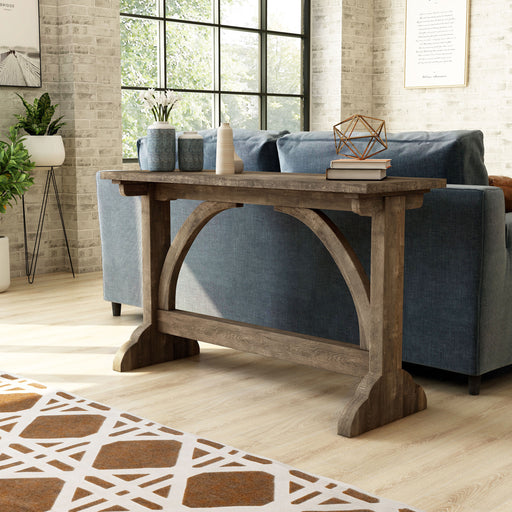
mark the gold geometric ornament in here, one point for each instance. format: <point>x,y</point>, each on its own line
<point>359,129</point>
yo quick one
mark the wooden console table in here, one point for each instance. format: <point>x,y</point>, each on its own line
<point>386,392</point>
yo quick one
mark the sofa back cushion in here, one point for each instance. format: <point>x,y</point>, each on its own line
<point>256,148</point>
<point>457,156</point>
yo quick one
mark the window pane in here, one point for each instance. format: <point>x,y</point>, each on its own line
<point>241,13</point>
<point>189,56</point>
<point>193,10</point>
<point>194,111</point>
<point>284,64</point>
<point>239,61</point>
<point>143,7</point>
<point>284,113</point>
<point>139,63</point>
<point>241,111</point>
<point>135,122</point>
<point>285,15</point>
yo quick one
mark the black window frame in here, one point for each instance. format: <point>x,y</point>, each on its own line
<point>217,91</point>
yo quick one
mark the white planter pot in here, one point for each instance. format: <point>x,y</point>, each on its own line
<point>45,150</point>
<point>5,267</point>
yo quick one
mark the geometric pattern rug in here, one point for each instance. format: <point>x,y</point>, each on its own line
<point>63,453</point>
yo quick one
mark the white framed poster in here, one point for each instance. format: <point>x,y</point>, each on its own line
<point>20,45</point>
<point>436,43</point>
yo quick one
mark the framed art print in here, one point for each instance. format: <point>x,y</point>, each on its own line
<point>436,43</point>
<point>20,44</point>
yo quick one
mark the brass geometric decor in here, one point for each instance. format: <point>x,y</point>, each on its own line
<point>357,129</point>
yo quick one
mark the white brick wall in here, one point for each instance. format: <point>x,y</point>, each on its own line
<point>80,68</point>
<point>486,102</point>
<point>357,67</point>
<point>342,60</point>
<point>326,23</point>
<point>357,57</point>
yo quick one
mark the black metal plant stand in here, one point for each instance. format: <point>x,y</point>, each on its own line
<point>31,269</point>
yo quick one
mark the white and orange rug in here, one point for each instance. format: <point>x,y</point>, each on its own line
<point>63,453</point>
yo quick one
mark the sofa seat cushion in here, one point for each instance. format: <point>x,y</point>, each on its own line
<point>457,156</point>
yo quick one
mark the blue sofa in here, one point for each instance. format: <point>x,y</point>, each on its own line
<point>256,265</point>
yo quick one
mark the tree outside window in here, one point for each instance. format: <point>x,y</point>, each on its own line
<point>239,61</point>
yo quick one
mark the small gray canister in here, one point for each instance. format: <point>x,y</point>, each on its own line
<point>190,151</point>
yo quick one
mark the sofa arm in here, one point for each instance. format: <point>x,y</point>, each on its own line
<point>459,293</point>
<point>508,229</point>
<point>120,231</point>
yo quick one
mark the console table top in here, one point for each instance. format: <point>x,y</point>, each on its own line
<point>279,181</point>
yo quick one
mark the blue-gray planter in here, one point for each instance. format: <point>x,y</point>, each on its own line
<point>159,148</point>
<point>190,152</point>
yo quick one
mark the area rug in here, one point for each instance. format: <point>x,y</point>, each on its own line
<point>63,453</point>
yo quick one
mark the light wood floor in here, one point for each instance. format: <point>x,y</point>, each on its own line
<point>455,456</point>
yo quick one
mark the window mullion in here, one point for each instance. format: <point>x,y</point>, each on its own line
<point>217,64</point>
<point>306,63</point>
<point>263,64</point>
<point>161,52</point>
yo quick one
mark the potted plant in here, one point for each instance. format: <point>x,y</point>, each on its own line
<point>15,179</point>
<point>43,143</point>
<point>157,151</point>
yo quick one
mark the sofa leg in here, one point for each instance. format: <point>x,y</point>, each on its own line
<point>116,309</point>
<point>474,382</point>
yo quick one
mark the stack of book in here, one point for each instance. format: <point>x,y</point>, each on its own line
<point>352,169</point>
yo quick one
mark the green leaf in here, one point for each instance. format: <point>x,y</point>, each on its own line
<point>15,168</point>
<point>38,116</point>
<point>55,126</point>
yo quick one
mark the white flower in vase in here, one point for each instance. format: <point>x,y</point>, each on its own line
<point>159,103</point>
<point>157,151</point>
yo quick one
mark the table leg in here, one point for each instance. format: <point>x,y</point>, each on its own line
<point>386,393</point>
<point>147,345</point>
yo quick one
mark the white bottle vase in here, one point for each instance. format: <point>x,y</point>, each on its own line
<point>5,268</point>
<point>225,161</point>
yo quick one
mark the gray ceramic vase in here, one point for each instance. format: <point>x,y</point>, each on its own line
<point>160,147</point>
<point>190,152</point>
